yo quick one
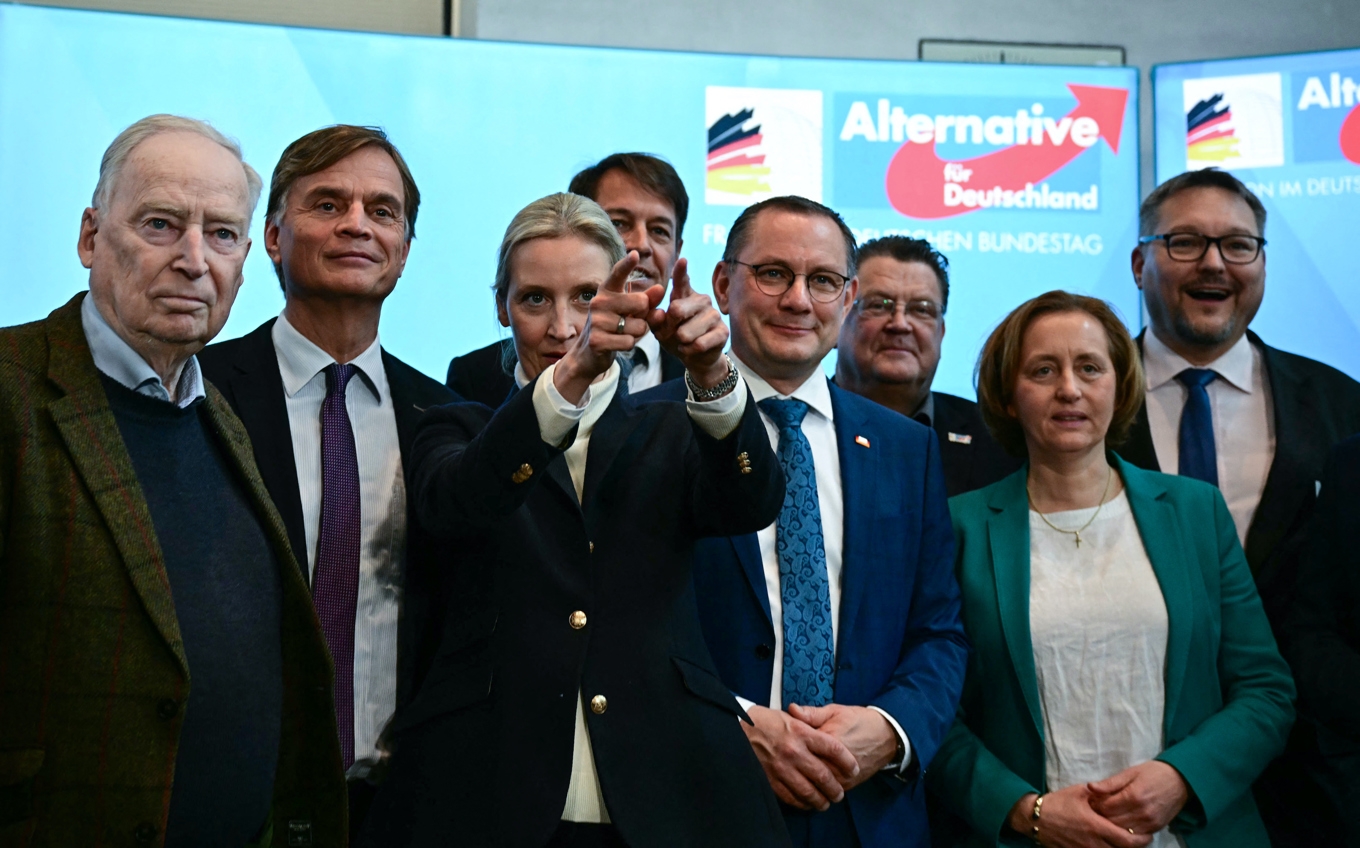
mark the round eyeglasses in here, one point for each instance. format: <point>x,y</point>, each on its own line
<point>774,279</point>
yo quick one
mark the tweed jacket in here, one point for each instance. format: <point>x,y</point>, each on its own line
<point>92,667</point>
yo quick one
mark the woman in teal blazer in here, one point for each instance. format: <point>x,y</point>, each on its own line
<point>1046,387</point>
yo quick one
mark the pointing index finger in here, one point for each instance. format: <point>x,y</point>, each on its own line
<point>680,287</point>
<point>617,281</point>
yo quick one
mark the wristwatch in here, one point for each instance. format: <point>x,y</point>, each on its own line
<point>727,384</point>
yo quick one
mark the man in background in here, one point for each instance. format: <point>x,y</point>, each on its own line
<point>1224,407</point>
<point>163,678</point>
<point>332,415</point>
<point>889,350</point>
<point>647,202</point>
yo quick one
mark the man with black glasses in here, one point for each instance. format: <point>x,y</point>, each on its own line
<point>1226,408</point>
<point>889,349</point>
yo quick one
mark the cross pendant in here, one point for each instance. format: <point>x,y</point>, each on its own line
<point>1078,535</point>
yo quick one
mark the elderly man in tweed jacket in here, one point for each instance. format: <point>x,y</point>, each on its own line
<point>163,678</point>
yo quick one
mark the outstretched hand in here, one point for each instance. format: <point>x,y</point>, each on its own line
<point>603,334</point>
<point>692,330</point>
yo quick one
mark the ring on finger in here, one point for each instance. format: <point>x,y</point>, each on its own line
<point>622,323</point>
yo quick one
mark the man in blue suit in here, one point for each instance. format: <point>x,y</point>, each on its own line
<point>838,626</point>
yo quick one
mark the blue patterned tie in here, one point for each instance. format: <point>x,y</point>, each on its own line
<point>809,649</point>
<point>1199,457</point>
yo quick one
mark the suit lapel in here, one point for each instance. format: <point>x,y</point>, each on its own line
<point>257,386</point>
<point>1291,395</point>
<point>1008,535</point>
<point>614,440</point>
<point>407,405</point>
<point>1138,449</point>
<point>959,467</point>
<point>1159,527</point>
<point>747,549</point>
<point>88,428</point>
<point>859,481</point>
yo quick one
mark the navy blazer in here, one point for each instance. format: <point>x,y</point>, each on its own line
<point>901,645</point>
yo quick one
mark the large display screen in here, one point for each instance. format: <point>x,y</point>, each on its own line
<point>1289,127</point>
<point>1025,177</point>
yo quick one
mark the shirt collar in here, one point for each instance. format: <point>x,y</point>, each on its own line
<point>815,390</point>
<point>1162,364</point>
<point>649,345</point>
<point>117,359</point>
<point>927,409</point>
<point>300,360</point>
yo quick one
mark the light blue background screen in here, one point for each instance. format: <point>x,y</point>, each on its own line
<point>1312,301</point>
<point>487,127</point>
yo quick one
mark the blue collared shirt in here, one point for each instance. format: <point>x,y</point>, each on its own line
<point>116,359</point>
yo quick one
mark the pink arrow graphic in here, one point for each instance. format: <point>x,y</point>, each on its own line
<point>915,178</point>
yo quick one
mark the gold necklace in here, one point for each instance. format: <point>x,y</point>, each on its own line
<point>1109,475</point>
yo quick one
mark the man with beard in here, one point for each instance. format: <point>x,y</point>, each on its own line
<point>644,197</point>
<point>1224,407</point>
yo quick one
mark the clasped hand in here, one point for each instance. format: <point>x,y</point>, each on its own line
<point>690,328</point>
<point>1122,811</point>
<point>812,756</point>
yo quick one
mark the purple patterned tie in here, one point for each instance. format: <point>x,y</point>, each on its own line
<point>335,584</point>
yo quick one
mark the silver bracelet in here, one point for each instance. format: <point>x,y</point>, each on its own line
<point>727,384</point>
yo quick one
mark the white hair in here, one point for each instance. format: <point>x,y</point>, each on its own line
<point>118,152</point>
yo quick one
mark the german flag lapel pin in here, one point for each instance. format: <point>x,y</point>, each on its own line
<point>861,441</point>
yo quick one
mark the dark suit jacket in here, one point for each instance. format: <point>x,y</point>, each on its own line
<point>478,376</point>
<point>92,666</point>
<point>900,645</point>
<point>246,370</point>
<point>484,753</point>
<point>1315,406</point>
<point>1322,636</point>
<point>970,465</point>
<point>1228,693</point>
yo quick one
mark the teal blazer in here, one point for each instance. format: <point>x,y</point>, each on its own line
<point>1229,695</point>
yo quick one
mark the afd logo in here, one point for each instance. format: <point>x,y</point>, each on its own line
<point>1327,116</point>
<point>1233,122</point>
<point>936,157</point>
<point>762,142</point>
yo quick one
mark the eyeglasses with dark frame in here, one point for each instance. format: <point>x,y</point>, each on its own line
<point>774,279</point>
<point>921,311</point>
<point>1236,249</point>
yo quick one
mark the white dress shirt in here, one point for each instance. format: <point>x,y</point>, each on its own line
<point>1244,423</point>
<point>556,416</point>
<point>1098,627</point>
<point>645,375</point>
<point>820,429</point>
<point>117,360</point>
<point>382,509</point>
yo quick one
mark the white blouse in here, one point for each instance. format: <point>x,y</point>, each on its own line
<point>1098,626</point>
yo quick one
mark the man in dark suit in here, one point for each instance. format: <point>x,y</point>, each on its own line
<point>837,626</point>
<point>1225,407</point>
<point>332,416</point>
<point>1321,638</point>
<point>163,677</point>
<point>889,349</point>
<point>647,202</point>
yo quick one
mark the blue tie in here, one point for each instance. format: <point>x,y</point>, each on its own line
<point>809,648</point>
<point>1199,457</point>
